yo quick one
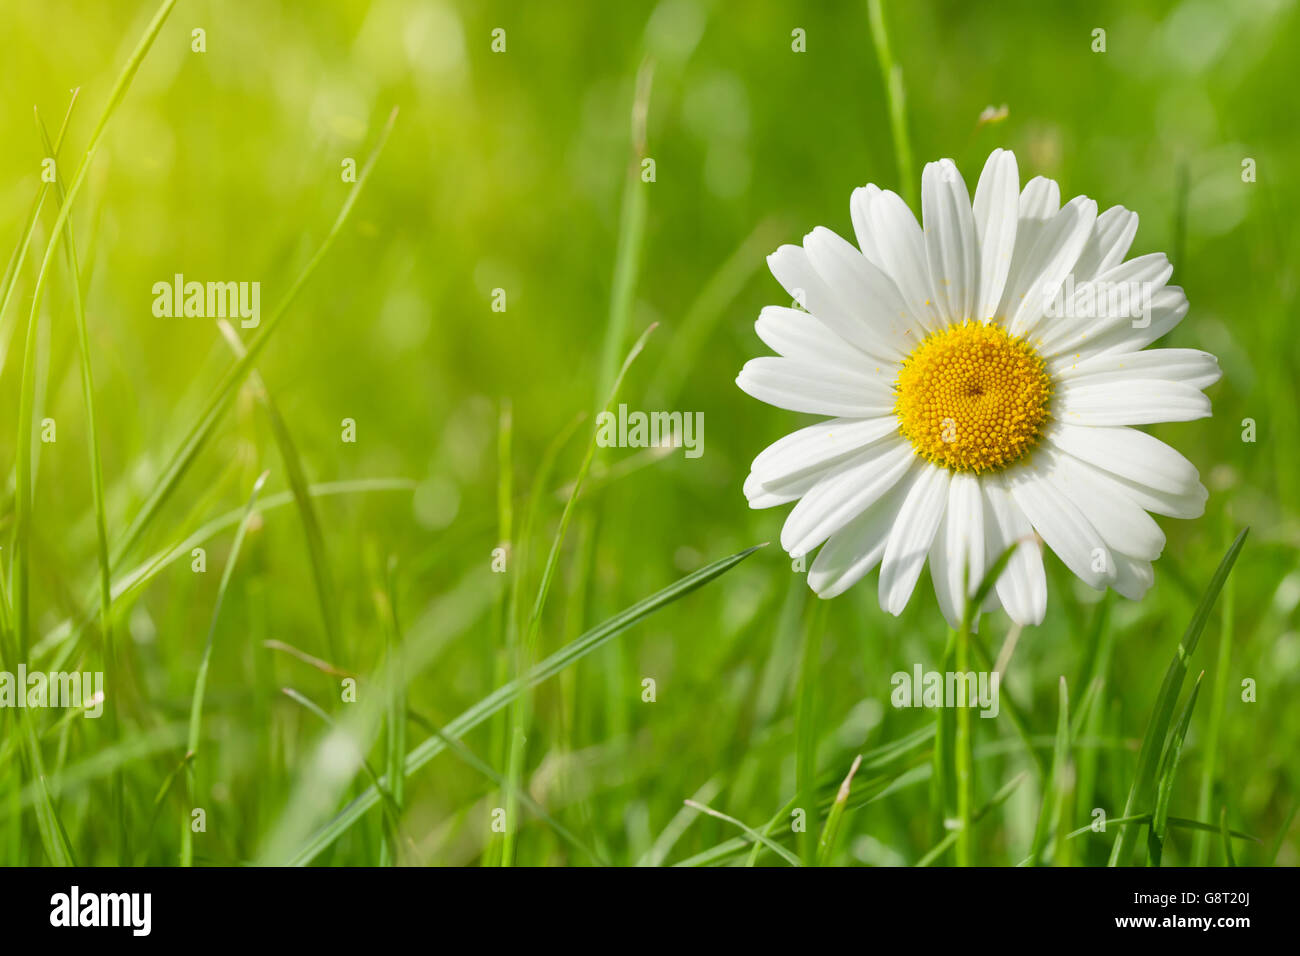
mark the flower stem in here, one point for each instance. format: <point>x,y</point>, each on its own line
<point>965,752</point>
<point>892,74</point>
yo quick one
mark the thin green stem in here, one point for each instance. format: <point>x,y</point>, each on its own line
<point>965,758</point>
<point>892,74</point>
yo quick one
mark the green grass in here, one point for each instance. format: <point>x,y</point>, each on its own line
<point>373,690</point>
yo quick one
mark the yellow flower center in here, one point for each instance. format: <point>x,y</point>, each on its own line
<point>972,398</point>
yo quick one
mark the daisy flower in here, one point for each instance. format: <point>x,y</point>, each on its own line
<point>982,373</point>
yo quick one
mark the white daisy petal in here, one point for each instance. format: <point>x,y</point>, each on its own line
<point>800,335</point>
<point>1107,504</point>
<point>1108,244</point>
<point>1186,504</point>
<point>815,449</point>
<point>867,292</point>
<point>858,547</point>
<point>1130,454</point>
<point>913,533</point>
<point>860,213</point>
<point>1040,201</point>
<point>1167,307</point>
<point>901,246</point>
<point>957,556</point>
<point>793,269</point>
<point>1048,263</point>
<point>844,493</point>
<point>1190,366</point>
<point>1061,525</point>
<point>997,214</point>
<point>1132,577</point>
<point>951,247</point>
<point>817,388</point>
<point>1137,402</point>
<point>760,497</point>
<point>1118,298</point>
<point>1022,586</point>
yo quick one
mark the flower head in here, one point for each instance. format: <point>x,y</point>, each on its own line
<point>982,376</point>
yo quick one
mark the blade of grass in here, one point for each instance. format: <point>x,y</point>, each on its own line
<point>877,759</point>
<point>54,838</point>
<point>396,718</point>
<point>703,315</point>
<point>529,645</point>
<point>892,74</point>
<point>631,237</point>
<point>23,455</point>
<point>201,678</point>
<point>1141,797</point>
<point>471,759</point>
<point>1282,831</point>
<point>830,832</point>
<point>201,431</point>
<point>494,702</point>
<point>753,834</point>
<point>964,743</point>
<point>1218,701</point>
<point>63,637</point>
<point>392,811</point>
<point>678,825</point>
<point>1226,835</point>
<point>317,554</point>
<point>1049,808</point>
<point>997,800</point>
<point>19,255</point>
<point>806,731</point>
<point>1165,779</point>
<point>1009,706</point>
<point>118,808</point>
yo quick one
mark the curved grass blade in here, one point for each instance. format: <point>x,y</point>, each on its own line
<point>19,255</point>
<point>521,794</point>
<point>1226,836</point>
<point>830,832</point>
<point>216,406</point>
<point>317,554</point>
<point>201,679</point>
<point>997,800</point>
<point>892,74</point>
<point>1050,806</point>
<point>1165,783</point>
<point>500,698</point>
<point>753,834</point>
<point>392,810</point>
<point>23,455</point>
<point>63,637</point>
<point>1141,797</point>
<point>806,731</point>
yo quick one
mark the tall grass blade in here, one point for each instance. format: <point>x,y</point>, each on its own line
<point>201,431</point>
<point>1165,780</point>
<point>201,678</point>
<point>1141,797</point>
<point>494,702</point>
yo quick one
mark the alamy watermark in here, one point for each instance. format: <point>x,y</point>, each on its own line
<point>638,429</point>
<point>1103,299</point>
<point>57,689</point>
<point>211,300</point>
<point>933,689</point>
<point>133,911</point>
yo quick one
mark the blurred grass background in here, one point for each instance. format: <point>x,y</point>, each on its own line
<point>508,171</point>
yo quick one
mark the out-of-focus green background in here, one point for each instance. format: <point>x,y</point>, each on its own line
<point>510,170</point>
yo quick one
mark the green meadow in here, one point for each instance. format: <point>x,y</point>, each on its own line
<point>361,584</point>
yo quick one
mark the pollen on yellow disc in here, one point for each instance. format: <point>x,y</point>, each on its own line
<point>972,398</point>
